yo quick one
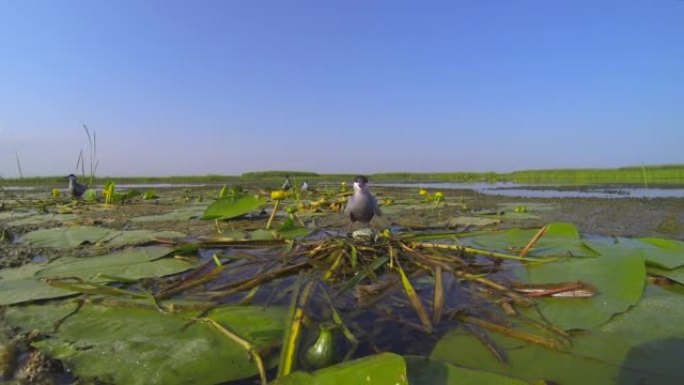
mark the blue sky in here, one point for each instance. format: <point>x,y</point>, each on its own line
<point>224,87</point>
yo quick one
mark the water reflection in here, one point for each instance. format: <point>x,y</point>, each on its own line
<point>545,191</point>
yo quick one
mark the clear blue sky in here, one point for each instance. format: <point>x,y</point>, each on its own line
<point>224,87</point>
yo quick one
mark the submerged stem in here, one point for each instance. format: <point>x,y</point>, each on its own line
<point>244,344</point>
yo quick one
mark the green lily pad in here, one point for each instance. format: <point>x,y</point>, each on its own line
<point>379,369</point>
<point>43,218</point>
<point>128,264</point>
<point>425,371</point>
<point>560,239</point>
<point>290,229</point>
<point>19,285</point>
<point>468,222</point>
<point>16,214</point>
<point>676,275</point>
<point>181,214</point>
<point>131,343</point>
<point>67,237</point>
<point>233,206</point>
<point>641,346</point>
<point>619,281</point>
<point>90,195</point>
<point>661,253</point>
<point>670,253</point>
<point>136,237</point>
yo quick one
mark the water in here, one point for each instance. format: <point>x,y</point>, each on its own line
<point>118,186</point>
<point>156,185</point>
<point>508,189</point>
<point>547,191</point>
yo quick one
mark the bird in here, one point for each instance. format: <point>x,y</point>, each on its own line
<point>362,205</point>
<point>286,184</point>
<point>76,188</point>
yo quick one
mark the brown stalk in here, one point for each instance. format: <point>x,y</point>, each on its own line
<point>519,334</point>
<point>258,280</point>
<point>189,284</point>
<point>415,300</point>
<point>244,344</point>
<point>517,298</point>
<point>273,213</point>
<point>533,241</point>
<point>438,301</point>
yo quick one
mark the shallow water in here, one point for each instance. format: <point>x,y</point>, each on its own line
<point>118,186</point>
<point>549,191</point>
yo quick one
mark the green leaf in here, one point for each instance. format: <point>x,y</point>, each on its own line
<point>619,281</point>
<point>67,237</point>
<point>231,207</point>
<point>661,253</point>
<point>379,369</point>
<point>670,254</point>
<point>131,343</point>
<point>181,214</point>
<point>90,195</point>
<point>560,239</point>
<point>127,264</point>
<point>16,214</point>
<point>263,235</point>
<point>136,237</point>
<point>150,194</point>
<point>468,222</point>
<point>289,230</point>
<point>19,285</point>
<point>676,275</point>
<point>424,371</point>
<point>42,219</point>
<point>644,345</point>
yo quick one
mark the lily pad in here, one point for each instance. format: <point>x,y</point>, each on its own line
<point>560,239</point>
<point>425,371</point>
<point>136,237</point>
<point>19,285</point>
<point>67,237</point>
<point>619,281</point>
<point>290,229</point>
<point>16,214</point>
<point>132,343</point>
<point>661,253</point>
<point>676,275</point>
<point>379,369</point>
<point>233,206</point>
<point>176,215</point>
<point>128,264</point>
<point>643,345</point>
<point>468,222</point>
<point>43,218</point>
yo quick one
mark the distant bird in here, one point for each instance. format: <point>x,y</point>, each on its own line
<point>362,206</point>
<point>305,187</point>
<point>286,184</point>
<point>76,188</point>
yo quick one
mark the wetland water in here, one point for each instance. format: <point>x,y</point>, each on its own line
<point>377,310</point>
<point>552,191</point>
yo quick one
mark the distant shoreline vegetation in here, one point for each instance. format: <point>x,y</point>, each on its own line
<point>671,174</point>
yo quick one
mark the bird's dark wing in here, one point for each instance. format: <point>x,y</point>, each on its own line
<point>376,208</point>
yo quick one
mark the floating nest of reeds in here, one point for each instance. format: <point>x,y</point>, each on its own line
<point>384,292</point>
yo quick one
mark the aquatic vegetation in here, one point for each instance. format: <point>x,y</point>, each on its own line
<point>165,344</point>
<point>150,194</point>
<point>515,306</point>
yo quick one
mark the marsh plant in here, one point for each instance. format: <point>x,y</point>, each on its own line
<point>93,161</point>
